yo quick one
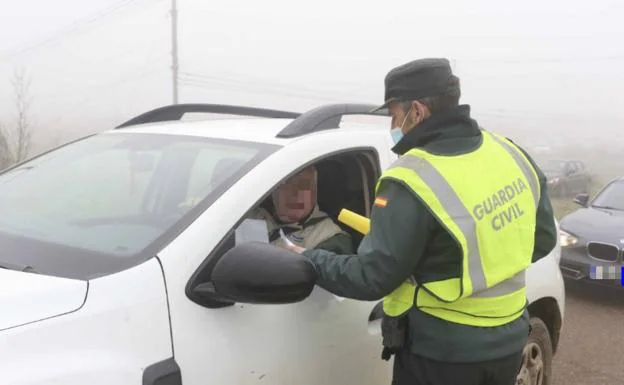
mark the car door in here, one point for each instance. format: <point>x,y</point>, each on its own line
<point>585,178</point>
<point>575,178</point>
<point>580,179</point>
<point>321,340</point>
<point>570,178</point>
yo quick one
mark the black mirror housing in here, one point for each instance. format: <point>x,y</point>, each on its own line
<point>582,199</point>
<point>260,273</point>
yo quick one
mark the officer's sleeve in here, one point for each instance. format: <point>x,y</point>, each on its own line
<point>387,256</point>
<point>545,229</point>
<point>340,243</point>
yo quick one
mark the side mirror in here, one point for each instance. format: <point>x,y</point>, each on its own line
<point>261,273</point>
<point>582,199</point>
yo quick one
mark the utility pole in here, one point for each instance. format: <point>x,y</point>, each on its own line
<point>174,49</point>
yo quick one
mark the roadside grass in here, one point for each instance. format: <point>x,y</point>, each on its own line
<point>563,206</point>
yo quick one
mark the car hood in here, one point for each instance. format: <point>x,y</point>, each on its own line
<point>29,297</point>
<point>596,224</point>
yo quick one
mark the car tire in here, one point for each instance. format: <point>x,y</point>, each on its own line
<point>536,367</point>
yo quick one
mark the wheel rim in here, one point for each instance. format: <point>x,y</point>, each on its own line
<point>532,368</point>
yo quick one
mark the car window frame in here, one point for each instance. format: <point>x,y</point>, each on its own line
<point>202,273</point>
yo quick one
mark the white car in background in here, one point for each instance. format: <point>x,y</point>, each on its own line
<point>122,266</point>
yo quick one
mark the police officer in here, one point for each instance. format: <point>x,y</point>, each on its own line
<point>456,221</point>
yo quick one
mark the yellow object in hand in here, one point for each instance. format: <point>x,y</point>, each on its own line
<point>356,221</point>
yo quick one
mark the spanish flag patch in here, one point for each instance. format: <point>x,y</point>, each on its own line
<point>381,202</point>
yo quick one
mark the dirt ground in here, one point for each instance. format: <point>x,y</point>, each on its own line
<point>592,346</point>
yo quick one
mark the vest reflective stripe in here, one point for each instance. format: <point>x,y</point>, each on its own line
<point>466,223</point>
<point>433,188</point>
<point>524,165</point>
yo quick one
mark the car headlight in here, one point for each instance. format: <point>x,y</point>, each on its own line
<point>566,239</point>
<point>553,181</point>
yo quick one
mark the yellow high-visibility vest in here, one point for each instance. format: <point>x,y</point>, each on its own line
<point>487,200</point>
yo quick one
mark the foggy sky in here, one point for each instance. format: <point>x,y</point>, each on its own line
<point>552,67</point>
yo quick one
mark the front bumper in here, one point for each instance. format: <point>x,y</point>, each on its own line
<point>576,265</point>
<point>556,188</point>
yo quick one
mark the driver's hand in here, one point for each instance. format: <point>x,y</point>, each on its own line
<point>295,248</point>
<point>288,245</point>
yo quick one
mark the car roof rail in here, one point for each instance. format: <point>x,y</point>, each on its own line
<point>326,117</point>
<point>176,111</point>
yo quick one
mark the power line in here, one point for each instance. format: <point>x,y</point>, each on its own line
<point>148,62</point>
<point>243,88</point>
<point>90,91</point>
<point>544,60</point>
<point>72,28</point>
<point>174,49</point>
<point>265,87</point>
<point>339,83</point>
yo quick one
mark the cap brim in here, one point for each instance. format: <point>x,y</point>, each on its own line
<point>383,106</point>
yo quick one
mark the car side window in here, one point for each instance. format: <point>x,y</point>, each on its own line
<point>344,181</point>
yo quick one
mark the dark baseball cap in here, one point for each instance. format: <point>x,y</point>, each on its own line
<point>418,79</point>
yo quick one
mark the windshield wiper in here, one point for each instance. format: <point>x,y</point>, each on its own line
<point>12,266</point>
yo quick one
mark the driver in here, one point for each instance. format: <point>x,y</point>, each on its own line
<point>295,210</point>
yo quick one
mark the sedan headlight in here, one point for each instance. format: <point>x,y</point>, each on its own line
<point>566,239</point>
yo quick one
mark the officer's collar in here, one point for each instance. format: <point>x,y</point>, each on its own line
<point>454,123</point>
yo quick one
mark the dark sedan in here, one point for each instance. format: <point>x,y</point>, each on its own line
<point>592,238</point>
<point>566,177</point>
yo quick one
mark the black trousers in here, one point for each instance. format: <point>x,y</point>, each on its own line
<point>410,369</point>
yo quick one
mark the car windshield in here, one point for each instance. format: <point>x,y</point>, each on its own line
<point>553,166</point>
<point>112,195</point>
<point>612,197</point>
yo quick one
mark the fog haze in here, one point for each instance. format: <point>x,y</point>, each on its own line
<point>544,71</point>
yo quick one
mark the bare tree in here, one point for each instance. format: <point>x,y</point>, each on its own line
<point>15,138</point>
<point>22,130</point>
<point>6,157</point>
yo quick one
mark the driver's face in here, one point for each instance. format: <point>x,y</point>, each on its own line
<point>295,198</point>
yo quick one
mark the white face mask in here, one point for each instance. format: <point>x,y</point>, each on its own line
<point>397,132</point>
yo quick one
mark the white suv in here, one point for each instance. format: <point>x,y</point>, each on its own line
<point>123,264</point>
